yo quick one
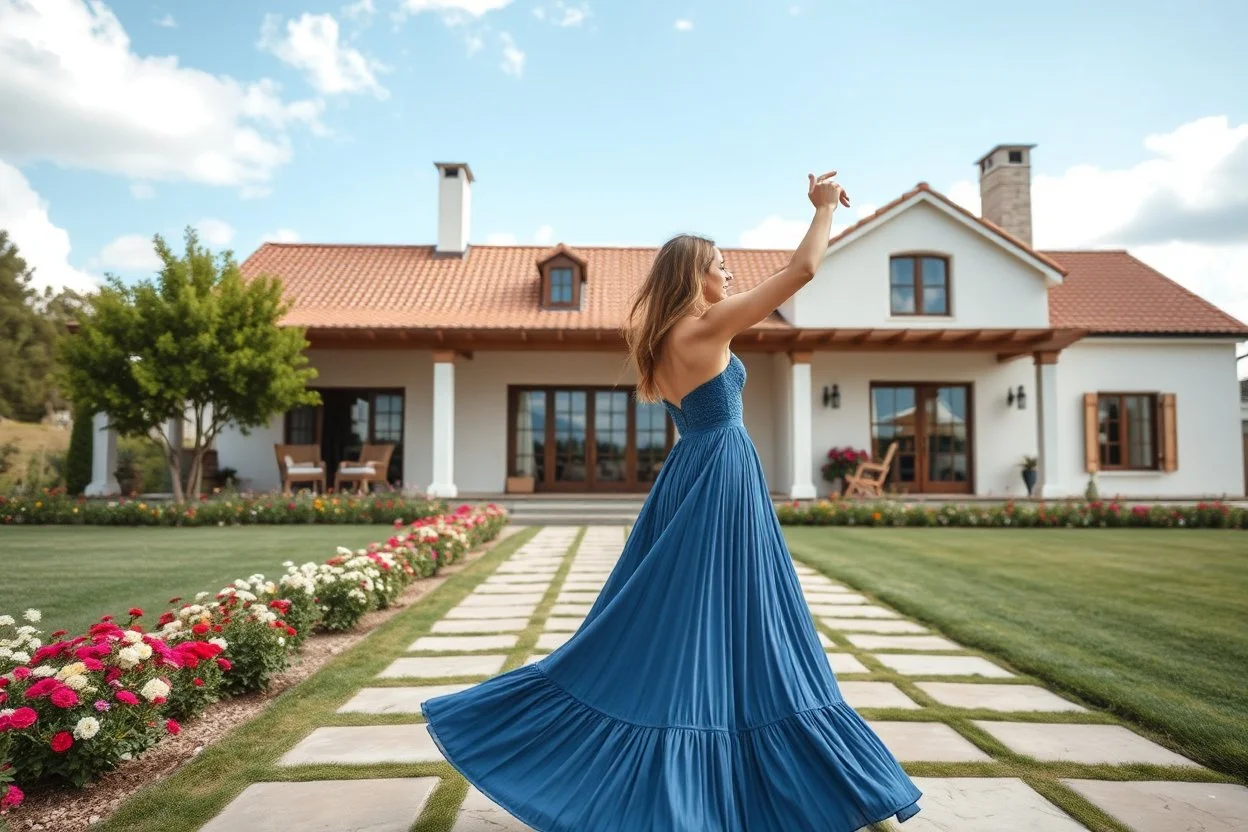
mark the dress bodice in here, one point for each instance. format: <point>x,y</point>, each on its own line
<point>715,403</point>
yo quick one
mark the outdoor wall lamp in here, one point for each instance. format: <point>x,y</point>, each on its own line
<point>1020,397</point>
<point>832,398</point>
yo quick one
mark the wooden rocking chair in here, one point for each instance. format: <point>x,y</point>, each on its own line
<point>868,480</point>
<point>372,465</point>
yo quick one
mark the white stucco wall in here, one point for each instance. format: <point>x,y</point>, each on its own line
<point>989,286</point>
<point>1202,376</point>
<point>411,370</point>
<point>1002,435</point>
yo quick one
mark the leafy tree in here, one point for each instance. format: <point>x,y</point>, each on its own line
<point>198,342</point>
<point>30,326</point>
<point>78,457</point>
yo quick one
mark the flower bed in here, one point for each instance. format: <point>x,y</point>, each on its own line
<point>56,507</point>
<point>1072,514</point>
<point>74,707</point>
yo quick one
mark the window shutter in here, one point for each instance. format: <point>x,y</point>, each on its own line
<point>1169,432</point>
<point>1091,434</point>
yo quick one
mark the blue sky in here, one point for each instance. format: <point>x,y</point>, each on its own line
<point>608,122</point>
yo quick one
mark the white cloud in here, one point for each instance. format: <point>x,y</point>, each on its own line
<point>43,245</point>
<point>544,236</point>
<point>777,232</point>
<point>142,190</point>
<point>103,107</point>
<point>513,57</point>
<point>683,25</point>
<point>361,11</point>
<point>562,14</point>
<point>214,232</point>
<point>500,238</point>
<point>281,235</point>
<point>1183,210</point>
<point>167,22</point>
<point>475,43</point>
<point>130,253</point>
<point>453,11</point>
<point>311,44</point>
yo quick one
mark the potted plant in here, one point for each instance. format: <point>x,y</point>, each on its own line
<point>128,477</point>
<point>1029,465</point>
<point>842,462</point>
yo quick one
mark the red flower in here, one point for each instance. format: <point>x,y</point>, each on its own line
<point>125,697</point>
<point>135,612</point>
<point>172,726</point>
<point>291,631</point>
<point>23,718</point>
<point>216,628</point>
<point>106,618</point>
<point>42,688</point>
<point>197,682</point>
<point>62,742</point>
<point>165,618</point>
<point>59,633</point>
<point>12,798</point>
<point>21,672</point>
<point>200,628</point>
<point>64,698</point>
<point>112,674</point>
<point>174,600</point>
<point>224,664</point>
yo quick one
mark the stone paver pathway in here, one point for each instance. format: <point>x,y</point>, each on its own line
<point>991,750</point>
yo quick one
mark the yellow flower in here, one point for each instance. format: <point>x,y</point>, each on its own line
<point>141,505</point>
<point>75,510</point>
<point>876,516</point>
<point>38,503</point>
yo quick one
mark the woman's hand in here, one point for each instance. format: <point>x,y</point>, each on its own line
<point>825,192</point>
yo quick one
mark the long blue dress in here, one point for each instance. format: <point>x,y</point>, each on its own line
<point>696,696</point>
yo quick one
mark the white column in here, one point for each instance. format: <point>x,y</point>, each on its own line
<point>1046,425</point>
<point>803,463</point>
<point>103,459</point>
<point>443,484</point>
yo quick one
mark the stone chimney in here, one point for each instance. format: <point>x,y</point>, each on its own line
<point>454,207</point>
<point>1005,188</point>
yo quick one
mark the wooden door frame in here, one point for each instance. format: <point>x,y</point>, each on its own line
<point>590,484</point>
<point>372,392</point>
<point>923,391</point>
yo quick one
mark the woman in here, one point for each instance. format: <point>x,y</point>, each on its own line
<point>696,696</point>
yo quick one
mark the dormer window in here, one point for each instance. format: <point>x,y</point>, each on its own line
<point>562,272</point>
<point>919,284</point>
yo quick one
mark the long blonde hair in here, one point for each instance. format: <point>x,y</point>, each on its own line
<point>672,289</point>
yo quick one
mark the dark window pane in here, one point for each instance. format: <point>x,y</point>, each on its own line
<point>561,286</point>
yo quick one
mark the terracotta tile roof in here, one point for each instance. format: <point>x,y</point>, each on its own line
<point>492,287</point>
<point>1112,292</point>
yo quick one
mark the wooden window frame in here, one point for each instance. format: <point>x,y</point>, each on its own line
<point>923,485</point>
<point>917,284</point>
<point>631,483</point>
<point>561,261</point>
<point>1124,431</point>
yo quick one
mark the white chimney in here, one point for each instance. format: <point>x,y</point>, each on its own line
<point>454,207</point>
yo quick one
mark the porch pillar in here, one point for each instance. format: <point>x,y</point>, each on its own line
<point>1046,424</point>
<point>802,462</point>
<point>103,459</point>
<point>443,484</point>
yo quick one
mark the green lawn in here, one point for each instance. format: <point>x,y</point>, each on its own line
<point>1149,625</point>
<point>75,574</point>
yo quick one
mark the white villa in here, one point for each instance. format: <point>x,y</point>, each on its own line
<point>490,366</point>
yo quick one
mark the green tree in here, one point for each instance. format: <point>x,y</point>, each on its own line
<point>198,342</point>
<point>30,326</point>
<point>78,457</point>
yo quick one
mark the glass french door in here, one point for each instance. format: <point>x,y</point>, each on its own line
<point>586,439</point>
<point>931,424</point>
<point>345,421</point>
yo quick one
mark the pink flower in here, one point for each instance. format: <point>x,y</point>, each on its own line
<point>101,705</point>
<point>125,697</point>
<point>21,672</point>
<point>42,688</point>
<point>12,798</point>
<point>64,698</point>
<point>173,727</point>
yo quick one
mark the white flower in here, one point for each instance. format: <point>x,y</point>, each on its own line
<point>241,584</point>
<point>43,670</point>
<point>199,596</point>
<point>32,615</point>
<point>220,642</point>
<point>34,644</point>
<point>281,640</point>
<point>21,656</point>
<point>128,657</point>
<point>6,621</point>
<point>76,682</point>
<point>144,651</point>
<point>5,652</point>
<point>25,630</point>
<point>245,595</point>
<point>154,689</point>
<point>86,728</point>
<point>133,637</point>
<point>343,550</point>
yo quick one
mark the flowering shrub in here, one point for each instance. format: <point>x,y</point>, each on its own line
<point>54,506</point>
<point>80,706</point>
<point>1069,514</point>
<point>842,462</point>
<point>71,708</point>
